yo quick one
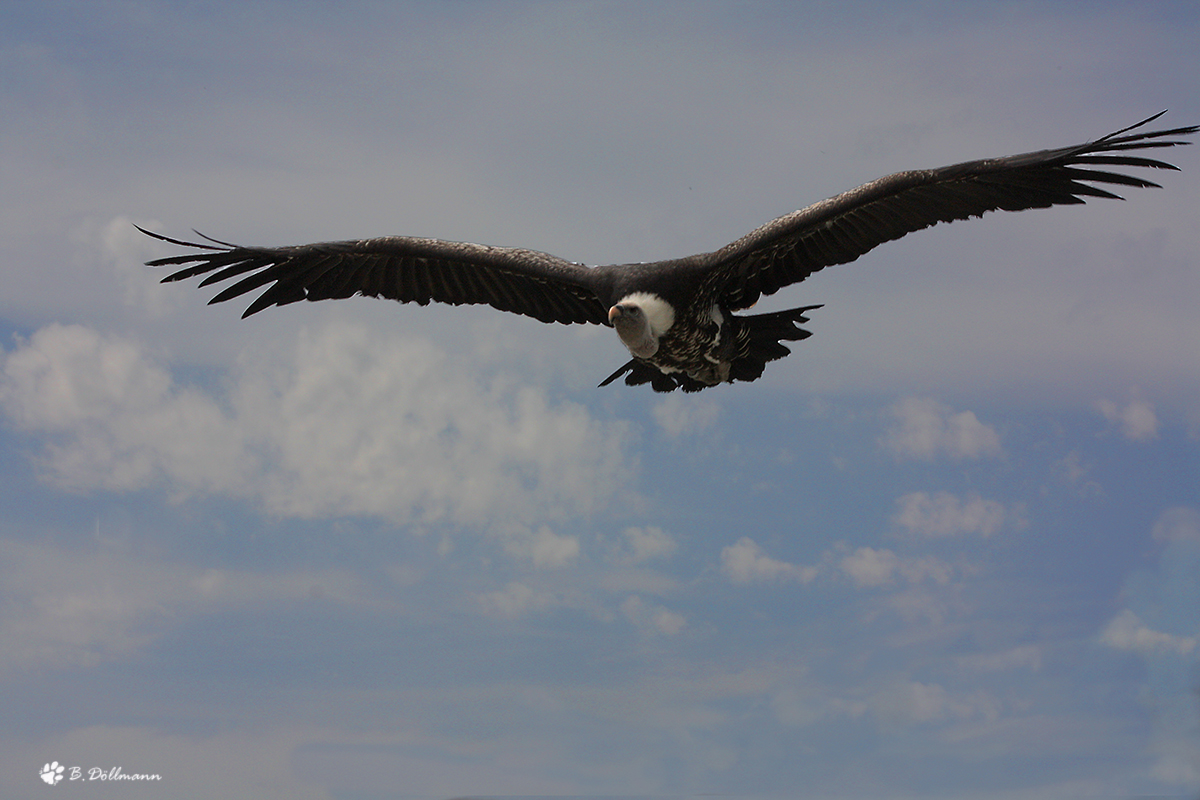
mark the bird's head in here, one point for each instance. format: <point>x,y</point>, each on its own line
<point>640,318</point>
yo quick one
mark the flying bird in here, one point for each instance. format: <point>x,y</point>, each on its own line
<point>676,317</point>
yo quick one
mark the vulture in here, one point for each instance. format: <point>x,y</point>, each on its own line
<point>676,317</point>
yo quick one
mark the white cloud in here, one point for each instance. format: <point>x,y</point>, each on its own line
<point>869,567</point>
<point>343,423</point>
<point>543,547</point>
<point>399,429</point>
<point>745,562</point>
<point>1075,472</point>
<point>1177,524</point>
<point>946,514</point>
<point>116,419</point>
<point>514,600</point>
<point>677,415</point>
<point>1137,419</point>
<point>652,619</point>
<point>648,543</point>
<point>126,249</point>
<point>921,605</point>
<point>1127,632</point>
<point>925,429</point>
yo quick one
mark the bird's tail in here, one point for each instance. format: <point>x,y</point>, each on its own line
<point>767,334</point>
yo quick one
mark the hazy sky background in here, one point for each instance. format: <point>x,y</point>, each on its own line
<point>949,548</point>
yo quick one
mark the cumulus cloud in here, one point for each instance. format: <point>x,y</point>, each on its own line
<point>925,429</point>
<point>1136,420</point>
<point>679,415</point>
<point>648,543</point>
<point>946,514</point>
<point>869,567</point>
<point>1127,632</point>
<point>116,419</point>
<point>652,619</point>
<point>745,562</point>
<point>126,249</point>
<point>344,422</point>
<point>542,547</point>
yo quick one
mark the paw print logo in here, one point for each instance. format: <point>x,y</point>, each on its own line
<point>52,773</point>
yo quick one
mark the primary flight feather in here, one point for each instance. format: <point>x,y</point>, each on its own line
<point>676,317</point>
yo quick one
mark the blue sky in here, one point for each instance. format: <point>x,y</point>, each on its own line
<point>948,548</point>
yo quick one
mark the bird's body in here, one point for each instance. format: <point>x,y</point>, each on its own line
<point>677,317</point>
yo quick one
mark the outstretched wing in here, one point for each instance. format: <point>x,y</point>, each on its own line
<point>842,228</point>
<point>399,268</point>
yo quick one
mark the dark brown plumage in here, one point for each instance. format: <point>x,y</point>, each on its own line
<point>676,316</point>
